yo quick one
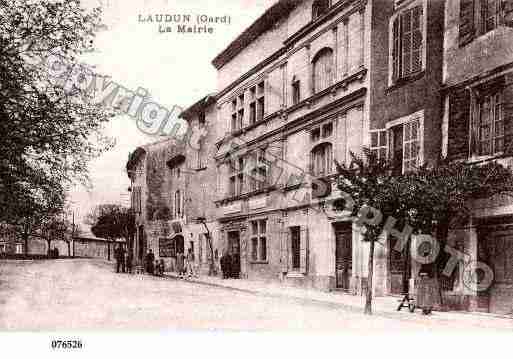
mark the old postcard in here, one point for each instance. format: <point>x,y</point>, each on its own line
<point>273,165</point>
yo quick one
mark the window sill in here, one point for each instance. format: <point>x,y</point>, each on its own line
<point>246,195</point>
<point>258,262</point>
<point>201,169</point>
<point>295,274</point>
<point>405,81</point>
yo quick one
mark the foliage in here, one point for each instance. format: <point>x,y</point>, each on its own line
<point>111,221</point>
<point>48,135</point>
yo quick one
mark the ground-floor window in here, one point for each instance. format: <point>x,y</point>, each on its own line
<point>19,248</point>
<point>3,248</point>
<point>259,240</point>
<point>295,245</point>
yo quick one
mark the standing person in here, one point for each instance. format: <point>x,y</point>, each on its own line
<point>235,265</point>
<point>225,264</point>
<point>150,258</point>
<point>180,268</point>
<point>122,258</point>
<point>129,260</point>
<point>190,264</point>
<point>117,257</point>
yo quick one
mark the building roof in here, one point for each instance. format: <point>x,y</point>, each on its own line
<point>208,100</point>
<point>275,13</point>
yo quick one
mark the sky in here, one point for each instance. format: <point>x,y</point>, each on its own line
<point>175,68</point>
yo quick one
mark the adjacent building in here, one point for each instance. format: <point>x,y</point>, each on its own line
<point>477,127</point>
<point>172,189</point>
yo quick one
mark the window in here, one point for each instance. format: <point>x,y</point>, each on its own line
<point>136,199</point>
<point>315,134</point>
<point>490,125</point>
<point>260,171</point>
<point>294,250</point>
<point>201,118</point>
<point>260,101</point>
<point>296,92</point>
<point>407,43</point>
<point>236,181</point>
<point>322,160</point>
<point>323,69</point>
<point>259,241</point>
<point>178,204</point>
<point>19,248</point>
<point>295,245</point>
<point>238,113</point>
<point>379,144</point>
<point>319,8</point>
<point>252,106</point>
<point>3,248</point>
<point>478,17</point>
<point>327,130</point>
<point>405,147</point>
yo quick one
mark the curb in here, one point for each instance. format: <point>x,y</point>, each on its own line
<point>406,316</point>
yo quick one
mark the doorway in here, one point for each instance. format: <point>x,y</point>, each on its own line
<point>234,250</point>
<point>343,255</point>
<point>141,243</point>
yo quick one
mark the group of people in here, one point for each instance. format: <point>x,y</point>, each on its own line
<point>124,260</point>
<point>185,265</point>
<point>153,266</point>
<point>230,265</point>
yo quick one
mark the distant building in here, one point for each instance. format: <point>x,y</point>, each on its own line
<point>173,189</point>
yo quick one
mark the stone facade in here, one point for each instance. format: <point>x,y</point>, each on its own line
<point>173,184</point>
<point>477,79</point>
<point>311,78</point>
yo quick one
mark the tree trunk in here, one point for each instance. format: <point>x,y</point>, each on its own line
<point>368,299</point>
<point>49,243</point>
<point>211,269</point>
<point>108,251</point>
<point>69,248</point>
<point>25,241</point>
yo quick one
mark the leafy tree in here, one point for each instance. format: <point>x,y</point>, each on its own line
<point>441,196</point>
<point>111,222</point>
<point>376,195</point>
<point>430,200</point>
<point>48,133</point>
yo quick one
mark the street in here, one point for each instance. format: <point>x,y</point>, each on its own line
<point>88,295</point>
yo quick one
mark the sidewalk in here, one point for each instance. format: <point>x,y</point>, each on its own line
<point>382,306</point>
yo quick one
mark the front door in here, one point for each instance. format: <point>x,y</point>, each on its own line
<point>234,250</point>
<point>343,255</point>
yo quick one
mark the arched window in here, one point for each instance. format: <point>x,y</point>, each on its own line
<point>321,159</point>
<point>319,8</point>
<point>323,69</point>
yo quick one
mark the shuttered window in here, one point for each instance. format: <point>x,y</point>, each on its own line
<point>259,241</point>
<point>295,249</point>
<point>407,43</point>
<point>323,70</point>
<point>322,160</point>
<point>478,17</point>
<point>491,125</point>
<point>319,8</point>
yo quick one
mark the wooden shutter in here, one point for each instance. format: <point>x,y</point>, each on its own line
<point>416,52</point>
<point>284,259</point>
<point>459,124</point>
<point>406,42</point>
<point>467,22</point>
<point>396,50</point>
<point>507,12</point>
<point>507,114</point>
<point>304,250</point>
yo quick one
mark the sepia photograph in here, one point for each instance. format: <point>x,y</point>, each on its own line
<point>266,166</point>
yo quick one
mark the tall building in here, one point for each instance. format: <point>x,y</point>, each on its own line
<point>478,127</point>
